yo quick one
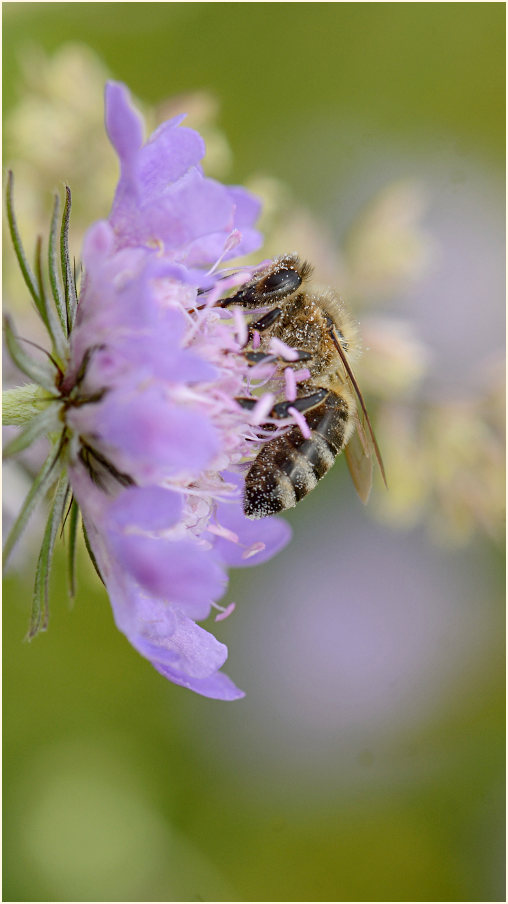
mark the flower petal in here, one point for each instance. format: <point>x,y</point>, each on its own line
<point>271,534</point>
<point>123,123</point>
<point>167,156</point>
<point>218,686</point>
<point>163,196</point>
<point>178,571</point>
<point>146,436</point>
<point>149,508</point>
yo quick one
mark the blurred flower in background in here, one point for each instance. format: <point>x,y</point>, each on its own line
<point>60,100</point>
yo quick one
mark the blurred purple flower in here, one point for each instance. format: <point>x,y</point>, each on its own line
<point>148,400</point>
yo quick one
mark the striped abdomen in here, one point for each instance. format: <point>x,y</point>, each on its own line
<point>288,468</point>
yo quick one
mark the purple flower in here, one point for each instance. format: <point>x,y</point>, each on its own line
<point>167,419</point>
<point>153,437</point>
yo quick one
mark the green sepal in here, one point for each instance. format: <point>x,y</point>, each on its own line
<point>25,268</point>
<point>40,603</point>
<point>44,422</point>
<point>71,300</point>
<point>43,481</point>
<point>54,279</point>
<point>91,552</point>
<point>40,372</point>
<point>72,547</point>
<point>53,326</point>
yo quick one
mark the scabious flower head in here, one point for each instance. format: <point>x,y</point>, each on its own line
<point>145,387</point>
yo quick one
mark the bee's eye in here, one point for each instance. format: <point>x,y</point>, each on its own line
<point>282,282</point>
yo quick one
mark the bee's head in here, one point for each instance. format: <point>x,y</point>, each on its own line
<point>281,278</point>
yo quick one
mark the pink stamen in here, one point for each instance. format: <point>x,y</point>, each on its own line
<point>256,339</point>
<point>289,376</point>
<point>231,242</point>
<point>253,550</point>
<point>261,408</point>
<point>262,372</point>
<point>241,326</point>
<point>301,422</point>
<point>301,375</point>
<point>225,612</point>
<point>224,532</point>
<point>279,348</point>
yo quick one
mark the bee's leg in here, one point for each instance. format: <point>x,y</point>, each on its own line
<point>265,321</point>
<point>302,403</point>
<point>258,357</point>
<point>281,410</point>
<point>246,403</point>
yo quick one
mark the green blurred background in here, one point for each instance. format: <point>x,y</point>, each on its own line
<point>367,760</point>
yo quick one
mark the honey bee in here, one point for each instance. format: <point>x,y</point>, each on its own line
<point>325,339</point>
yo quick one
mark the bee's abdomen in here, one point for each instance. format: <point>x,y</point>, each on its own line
<point>289,467</point>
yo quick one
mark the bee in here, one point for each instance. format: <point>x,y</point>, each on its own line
<point>325,339</point>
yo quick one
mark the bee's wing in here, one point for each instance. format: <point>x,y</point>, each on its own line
<point>370,439</point>
<point>359,461</point>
